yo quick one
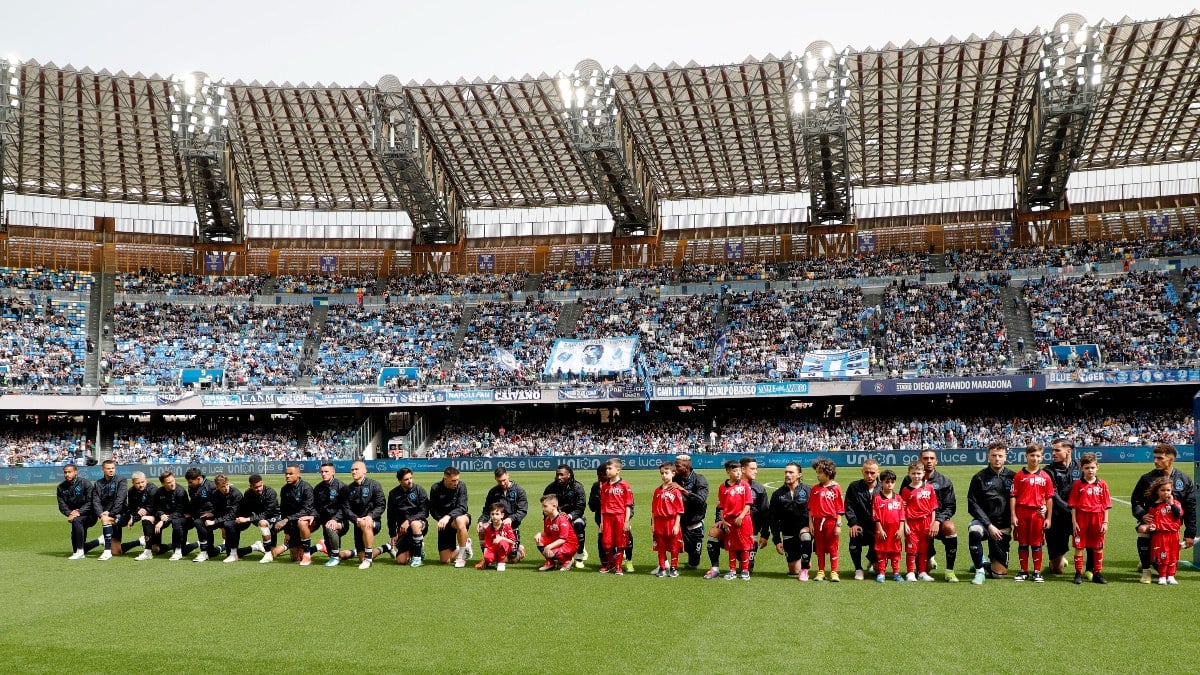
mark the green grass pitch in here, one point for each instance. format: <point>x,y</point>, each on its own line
<point>158,616</point>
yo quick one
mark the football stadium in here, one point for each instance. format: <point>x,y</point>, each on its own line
<point>851,356</point>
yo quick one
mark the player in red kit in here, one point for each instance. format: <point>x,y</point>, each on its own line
<point>665,511</point>
<point>920,503</point>
<point>616,511</point>
<point>888,513</point>
<point>825,509</point>
<point>557,541</point>
<point>1031,502</point>
<point>498,539</point>
<point>734,499</point>
<point>1165,523</point>
<point>1090,502</point>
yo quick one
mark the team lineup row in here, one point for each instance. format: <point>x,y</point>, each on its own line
<point>1063,504</point>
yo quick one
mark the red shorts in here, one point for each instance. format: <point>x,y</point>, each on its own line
<point>825,535</point>
<point>1089,535</point>
<point>918,541</point>
<point>565,551</point>
<point>612,530</point>
<point>1164,547</point>
<point>1030,527</point>
<point>739,537</point>
<point>663,539</point>
<point>889,543</point>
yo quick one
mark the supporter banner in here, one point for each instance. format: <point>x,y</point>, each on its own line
<point>583,257</point>
<point>630,390</point>
<point>470,395</point>
<point>582,393</point>
<point>601,355</point>
<point>394,373</point>
<point>214,262</point>
<point>1120,377</point>
<point>517,395</point>
<point>774,460</point>
<point>735,390</point>
<point>201,376</point>
<point>405,398</point>
<point>866,243</point>
<point>506,360</point>
<point>131,399</point>
<point>781,389</point>
<point>1063,352</point>
<point>328,264</point>
<point>220,399</point>
<point>1002,235</point>
<point>487,262</point>
<point>954,385</point>
<point>1159,224</point>
<point>680,391</point>
<point>734,250</point>
<point>836,363</point>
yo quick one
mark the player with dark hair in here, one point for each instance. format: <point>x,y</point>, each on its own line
<point>108,502</point>
<point>825,508</point>
<point>991,517</point>
<point>942,529</point>
<point>572,501</point>
<point>407,515</point>
<point>328,496</point>
<point>860,504</point>
<point>759,507</point>
<point>75,502</point>
<point>1063,471</point>
<point>364,506</point>
<point>296,516</point>
<point>516,506</point>
<point>199,509</point>
<point>695,494</point>
<point>170,504</point>
<point>225,501</point>
<point>452,514</point>
<point>789,521</point>
<point>259,508</point>
<point>1185,495</point>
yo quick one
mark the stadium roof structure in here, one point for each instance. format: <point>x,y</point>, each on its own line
<point>917,114</point>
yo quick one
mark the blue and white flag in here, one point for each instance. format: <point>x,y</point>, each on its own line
<point>836,363</point>
<point>506,360</point>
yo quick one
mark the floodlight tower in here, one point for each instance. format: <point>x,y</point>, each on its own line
<point>1069,78</point>
<point>820,95</point>
<point>416,170</point>
<point>199,125</point>
<point>10,113</point>
<point>612,161</point>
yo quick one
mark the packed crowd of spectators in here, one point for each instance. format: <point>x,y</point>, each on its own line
<point>675,334</point>
<point>592,278</point>
<point>359,342</point>
<point>43,343</point>
<point>322,284</point>
<point>455,284</point>
<point>573,437</point>
<point>524,330</point>
<point>190,443</point>
<point>44,279</point>
<point>768,332</point>
<point>253,345</point>
<point>1069,256</point>
<point>1136,318</point>
<point>23,445</point>
<point>170,283</point>
<point>957,329</point>
<point>893,264</point>
<point>733,270</point>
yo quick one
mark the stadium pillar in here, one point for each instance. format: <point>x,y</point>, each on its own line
<point>820,94</point>
<point>1068,81</point>
<point>612,161</point>
<point>10,116</point>
<point>198,126</point>
<point>418,175</point>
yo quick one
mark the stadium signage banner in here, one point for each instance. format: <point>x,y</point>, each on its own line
<point>954,385</point>
<point>836,363</point>
<point>1125,376</point>
<point>601,355</point>
<point>582,394</point>
<point>768,460</point>
<point>729,390</point>
<point>517,394</point>
<point>781,389</point>
<point>470,395</point>
<point>680,391</point>
<point>131,399</point>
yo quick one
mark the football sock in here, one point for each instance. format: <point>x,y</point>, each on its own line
<point>1097,560</point>
<point>951,544</point>
<point>108,530</point>
<point>714,552</point>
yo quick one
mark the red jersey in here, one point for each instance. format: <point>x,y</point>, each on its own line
<point>1167,517</point>
<point>1090,497</point>
<point>825,501</point>
<point>491,532</point>
<point>919,503</point>
<point>732,500</point>
<point>1032,489</point>
<point>667,503</point>
<point>614,497</point>
<point>559,527</point>
<point>888,512</point>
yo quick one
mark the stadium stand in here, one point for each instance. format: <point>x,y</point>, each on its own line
<point>43,343</point>
<point>195,441</point>
<point>44,279</point>
<point>525,330</point>
<point>149,281</point>
<point>358,342</point>
<point>860,267</point>
<point>676,334</point>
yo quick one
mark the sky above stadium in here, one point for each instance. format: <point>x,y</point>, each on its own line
<point>354,42</point>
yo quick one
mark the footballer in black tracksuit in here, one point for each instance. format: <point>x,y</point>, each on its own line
<point>411,505</point>
<point>225,507</point>
<point>364,498</point>
<point>947,507</point>
<point>860,507</point>
<point>169,507</point>
<point>75,494</point>
<point>516,506</point>
<point>1185,494</point>
<point>296,501</point>
<point>108,496</point>
<point>695,507</point>
<point>988,504</point>
<point>327,502</point>
<point>1058,537</point>
<point>572,500</point>
<point>259,508</point>
<point>759,510</point>
<point>140,503</point>
<point>443,502</point>
<point>788,516</point>
<point>198,510</point>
